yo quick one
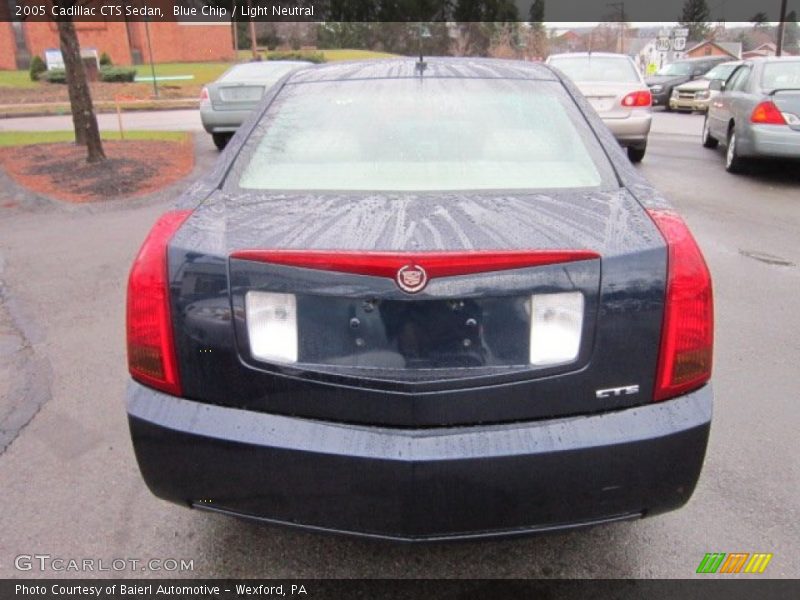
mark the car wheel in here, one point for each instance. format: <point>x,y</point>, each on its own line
<point>636,154</point>
<point>221,140</point>
<point>733,162</point>
<point>709,141</point>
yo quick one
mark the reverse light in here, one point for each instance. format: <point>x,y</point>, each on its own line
<point>638,99</point>
<point>556,325</point>
<point>766,113</point>
<point>151,352</point>
<point>272,326</point>
<point>687,332</point>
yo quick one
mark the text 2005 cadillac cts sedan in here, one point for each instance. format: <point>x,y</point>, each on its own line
<point>421,302</point>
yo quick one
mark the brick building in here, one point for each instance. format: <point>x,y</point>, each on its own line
<point>124,42</point>
<point>714,48</point>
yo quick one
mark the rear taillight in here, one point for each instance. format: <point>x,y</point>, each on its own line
<point>151,352</point>
<point>767,113</point>
<point>637,99</point>
<point>204,94</point>
<point>687,333</point>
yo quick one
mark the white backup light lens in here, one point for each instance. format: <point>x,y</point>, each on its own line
<point>272,326</point>
<point>556,325</point>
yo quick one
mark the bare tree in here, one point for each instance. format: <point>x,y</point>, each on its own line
<point>252,27</point>
<point>84,120</point>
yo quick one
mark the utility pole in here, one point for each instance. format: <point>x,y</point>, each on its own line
<point>253,47</point>
<point>621,35</point>
<point>781,29</point>
<point>150,52</point>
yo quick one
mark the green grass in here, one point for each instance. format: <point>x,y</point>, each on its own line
<point>16,79</point>
<point>203,72</point>
<point>25,138</point>
<point>334,55</point>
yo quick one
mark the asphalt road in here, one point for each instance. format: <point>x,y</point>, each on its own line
<point>69,481</point>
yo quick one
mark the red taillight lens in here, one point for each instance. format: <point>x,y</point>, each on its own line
<point>637,99</point>
<point>767,113</point>
<point>687,334</point>
<point>204,94</point>
<point>151,353</point>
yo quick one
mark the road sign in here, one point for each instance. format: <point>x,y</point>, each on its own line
<point>679,44</point>
<point>682,32</point>
<point>662,44</point>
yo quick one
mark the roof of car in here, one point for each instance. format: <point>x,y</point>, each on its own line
<point>767,59</point>
<point>706,59</point>
<point>601,54</point>
<point>400,68</point>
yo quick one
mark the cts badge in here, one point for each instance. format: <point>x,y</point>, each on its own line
<point>625,390</point>
<point>411,278</point>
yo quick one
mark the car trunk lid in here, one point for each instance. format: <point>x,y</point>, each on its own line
<point>457,351</point>
<point>606,98</point>
<point>788,102</point>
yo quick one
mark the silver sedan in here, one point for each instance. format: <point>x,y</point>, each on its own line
<point>226,103</point>
<point>757,113</point>
<point>614,87</point>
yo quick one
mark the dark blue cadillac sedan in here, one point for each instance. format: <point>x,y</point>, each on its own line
<point>422,301</point>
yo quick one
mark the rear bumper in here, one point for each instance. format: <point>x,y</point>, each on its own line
<point>421,484</point>
<point>221,121</point>
<point>773,141</point>
<point>632,131</point>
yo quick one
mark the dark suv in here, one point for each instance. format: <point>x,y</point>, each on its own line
<point>679,72</point>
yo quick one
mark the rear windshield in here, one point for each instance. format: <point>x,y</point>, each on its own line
<point>675,69</point>
<point>418,134</point>
<point>596,68</point>
<point>720,72</point>
<point>781,75</point>
<point>259,71</point>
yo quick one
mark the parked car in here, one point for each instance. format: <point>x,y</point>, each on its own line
<point>757,113</point>
<point>421,302</point>
<point>226,103</point>
<point>696,95</point>
<point>675,73</point>
<point>614,87</point>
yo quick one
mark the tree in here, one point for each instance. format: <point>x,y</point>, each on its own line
<point>759,20</point>
<point>84,120</point>
<point>791,34</point>
<point>480,23</point>
<point>536,15</point>
<point>538,34</point>
<point>694,17</point>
